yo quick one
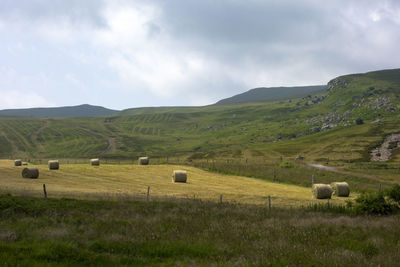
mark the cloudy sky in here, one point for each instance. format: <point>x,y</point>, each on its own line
<point>123,54</point>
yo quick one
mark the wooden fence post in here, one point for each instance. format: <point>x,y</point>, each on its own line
<point>148,193</point>
<point>313,179</point>
<point>44,191</point>
<point>269,202</point>
<point>329,203</point>
<point>380,187</point>
<point>220,199</point>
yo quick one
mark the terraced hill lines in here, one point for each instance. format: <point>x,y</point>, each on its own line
<point>8,147</point>
<point>19,134</point>
<point>111,147</point>
<point>318,126</point>
<point>84,181</point>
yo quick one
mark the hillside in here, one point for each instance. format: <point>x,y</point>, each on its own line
<point>273,93</point>
<point>60,112</point>
<point>349,119</point>
<point>249,98</point>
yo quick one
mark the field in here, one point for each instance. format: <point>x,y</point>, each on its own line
<point>132,181</point>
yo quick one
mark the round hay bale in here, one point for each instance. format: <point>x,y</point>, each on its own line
<point>179,176</point>
<point>24,163</point>
<point>95,162</point>
<point>30,173</point>
<point>54,165</point>
<point>340,189</point>
<point>321,191</point>
<point>17,162</point>
<point>143,161</point>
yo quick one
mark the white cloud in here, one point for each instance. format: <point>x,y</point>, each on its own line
<point>18,90</point>
<point>15,99</point>
<point>188,52</point>
<point>375,16</point>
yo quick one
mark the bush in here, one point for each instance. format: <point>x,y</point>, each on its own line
<point>286,164</point>
<point>359,121</point>
<point>373,203</point>
<point>394,194</point>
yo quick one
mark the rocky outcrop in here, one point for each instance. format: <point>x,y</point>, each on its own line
<point>384,152</point>
<point>339,82</point>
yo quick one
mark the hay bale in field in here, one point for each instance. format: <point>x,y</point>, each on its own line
<point>24,163</point>
<point>95,162</point>
<point>17,162</point>
<point>179,176</point>
<point>30,173</point>
<point>54,165</point>
<point>143,160</point>
<point>340,189</point>
<point>322,191</point>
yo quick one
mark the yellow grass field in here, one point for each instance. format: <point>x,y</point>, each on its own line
<point>119,181</point>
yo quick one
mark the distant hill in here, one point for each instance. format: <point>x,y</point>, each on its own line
<point>272,93</point>
<point>61,112</point>
<point>246,98</point>
<point>346,121</point>
<point>171,110</point>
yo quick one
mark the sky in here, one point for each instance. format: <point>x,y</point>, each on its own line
<point>123,54</point>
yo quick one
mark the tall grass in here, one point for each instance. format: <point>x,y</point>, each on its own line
<point>66,232</point>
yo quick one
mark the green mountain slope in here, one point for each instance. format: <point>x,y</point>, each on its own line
<point>342,123</point>
<point>273,93</point>
<point>61,112</point>
<point>249,98</point>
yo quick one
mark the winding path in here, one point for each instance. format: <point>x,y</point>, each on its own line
<point>350,173</point>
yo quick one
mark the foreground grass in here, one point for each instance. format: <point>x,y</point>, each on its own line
<point>67,232</point>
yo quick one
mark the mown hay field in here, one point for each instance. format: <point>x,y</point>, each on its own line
<point>128,180</point>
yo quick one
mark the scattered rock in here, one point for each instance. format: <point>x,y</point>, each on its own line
<point>315,129</point>
<point>378,120</point>
<point>384,152</point>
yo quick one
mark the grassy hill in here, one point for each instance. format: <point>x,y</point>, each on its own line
<point>60,112</point>
<point>273,93</point>
<point>318,126</point>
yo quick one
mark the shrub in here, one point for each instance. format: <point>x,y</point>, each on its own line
<point>392,145</point>
<point>394,194</point>
<point>373,203</point>
<point>286,164</point>
<point>359,121</point>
